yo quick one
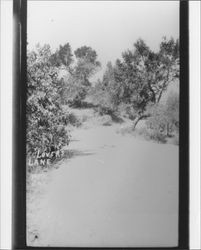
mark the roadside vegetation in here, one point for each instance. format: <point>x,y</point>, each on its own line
<point>131,90</point>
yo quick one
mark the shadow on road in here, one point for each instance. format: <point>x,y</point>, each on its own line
<point>72,153</point>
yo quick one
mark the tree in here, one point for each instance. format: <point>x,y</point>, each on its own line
<point>73,91</point>
<point>43,102</point>
<point>107,91</point>
<point>143,75</point>
<point>87,64</point>
<point>77,84</point>
<point>63,57</point>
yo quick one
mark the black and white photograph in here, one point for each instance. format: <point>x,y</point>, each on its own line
<point>102,117</point>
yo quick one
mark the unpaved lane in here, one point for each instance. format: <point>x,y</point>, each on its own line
<point>114,191</point>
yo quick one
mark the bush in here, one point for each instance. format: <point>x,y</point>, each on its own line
<point>73,120</point>
<point>152,135</point>
<point>175,140</point>
<point>73,91</point>
<point>105,120</point>
<point>155,135</point>
<point>103,100</point>
<point>127,111</point>
<point>43,110</point>
<point>165,117</point>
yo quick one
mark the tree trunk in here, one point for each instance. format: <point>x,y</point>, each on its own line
<point>169,129</point>
<point>153,99</point>
<point>137,119</point>
<point>160,95</point>
<point>163,87</point>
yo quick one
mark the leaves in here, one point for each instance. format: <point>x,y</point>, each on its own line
<point>140,78</point>
<point>63,56</point>
<point>43,101</point>
<point>86,65</point>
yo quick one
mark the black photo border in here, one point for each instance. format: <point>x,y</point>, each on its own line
<point>19,130</point>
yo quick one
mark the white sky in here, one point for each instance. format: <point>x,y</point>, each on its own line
<point>109,27</point>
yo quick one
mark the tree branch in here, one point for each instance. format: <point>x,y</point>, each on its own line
<point>163,86</point>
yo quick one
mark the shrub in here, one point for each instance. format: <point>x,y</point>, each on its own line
<point>73,92</point>
<point>73,120</point>
<point>44,126</point>
<point>165,117</point>
<point>108,121</point>
<point>127,111</point>
<point>105,120</point>
<point>149,134</point>
<point>175,140</point>
<point>157,136</point>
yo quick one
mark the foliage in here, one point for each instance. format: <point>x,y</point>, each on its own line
<point>87,64</point>
<point>155,135</point>
<point>172,111</point>
<point>105,93</point>
<point>141,77</point>
<point>133,85</point>
<point>146,73</point>
<point>71,119</point>
<point>73,91</point>
<point>77,84</point>
<point>62,57</point>
<point>43,102</point>
<point>165,117</point>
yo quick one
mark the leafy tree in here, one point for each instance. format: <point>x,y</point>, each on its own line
<point>73,91</point>
<point>77,84</point>
<point>108,77</point>
<point>143,75</point>
<point>87,64</point>
<point>43,102</point>
<point>63,57</point>
<point>108,91</point>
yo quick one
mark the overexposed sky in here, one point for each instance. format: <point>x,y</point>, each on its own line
<point>109,27</point>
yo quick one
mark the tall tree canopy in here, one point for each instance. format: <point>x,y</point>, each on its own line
<point>87,64</point>
<point>78,83</point>
<point>142,76</point>
<point>63,57</point>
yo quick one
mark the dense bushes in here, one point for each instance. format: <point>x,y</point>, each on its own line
<point>165,117</point>
<point>162,125</point>
<point>44,110</point>
<point>151,134</point>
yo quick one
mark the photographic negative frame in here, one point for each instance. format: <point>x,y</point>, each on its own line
<point>19,166</point>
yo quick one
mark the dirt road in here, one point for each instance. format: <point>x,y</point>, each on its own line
<point>114,191</point>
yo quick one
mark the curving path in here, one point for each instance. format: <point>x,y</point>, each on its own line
<point>114,191</point>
